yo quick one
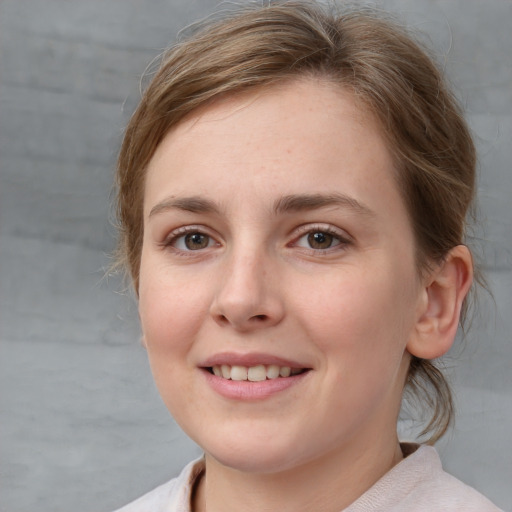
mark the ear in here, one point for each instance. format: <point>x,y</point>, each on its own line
<point>143,341</point>
<point>440,305</point>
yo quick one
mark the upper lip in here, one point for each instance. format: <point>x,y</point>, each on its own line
<point>248,360</point>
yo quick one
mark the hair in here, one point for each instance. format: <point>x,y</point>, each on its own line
<point>358,50</point>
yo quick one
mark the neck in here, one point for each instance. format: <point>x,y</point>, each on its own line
<point>329,483</point>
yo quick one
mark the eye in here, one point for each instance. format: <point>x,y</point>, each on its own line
<point>191,241</point>
<point>321,239</point>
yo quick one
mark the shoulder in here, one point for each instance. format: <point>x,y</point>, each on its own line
<point>155,500</point>
<point>448,493</point>
<point>419,484</point>
<point>173,496</point>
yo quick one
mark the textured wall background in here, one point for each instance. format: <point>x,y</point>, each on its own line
<point>82,426</point>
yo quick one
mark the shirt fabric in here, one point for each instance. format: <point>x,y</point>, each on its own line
<point>416,484</point>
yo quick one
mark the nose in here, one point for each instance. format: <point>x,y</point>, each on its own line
<point>248,296</point>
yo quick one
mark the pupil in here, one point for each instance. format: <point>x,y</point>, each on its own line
<point>320,240</point>
<point>196,241</point>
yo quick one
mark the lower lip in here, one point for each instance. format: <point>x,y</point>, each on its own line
<point>247,390</point>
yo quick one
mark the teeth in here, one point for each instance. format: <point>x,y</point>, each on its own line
<point>285,371</point>
<point>238,373</point>
<point>226,371</point>
<point>256,373</point>
<point>272,371</point>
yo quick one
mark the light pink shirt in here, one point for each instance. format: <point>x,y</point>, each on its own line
<point>417,484</point>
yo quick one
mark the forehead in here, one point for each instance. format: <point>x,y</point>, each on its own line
<point>296,94</point>
<point>301,134</point>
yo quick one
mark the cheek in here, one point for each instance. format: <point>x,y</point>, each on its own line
<point>360,315</point>
<point>170,318</point>
<point>171,312</point>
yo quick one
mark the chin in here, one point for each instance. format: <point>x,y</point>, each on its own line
<point>262,457</point>
<point>256,463</point>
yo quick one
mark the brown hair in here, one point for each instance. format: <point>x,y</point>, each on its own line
<point>358,50</point>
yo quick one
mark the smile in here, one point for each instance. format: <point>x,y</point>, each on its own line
<point>255,373</point>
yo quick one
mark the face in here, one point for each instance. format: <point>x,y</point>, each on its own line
<point>278,285</point>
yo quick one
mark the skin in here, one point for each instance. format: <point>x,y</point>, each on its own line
<point>350,313</point>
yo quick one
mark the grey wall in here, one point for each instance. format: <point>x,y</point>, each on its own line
<point>82,426</point>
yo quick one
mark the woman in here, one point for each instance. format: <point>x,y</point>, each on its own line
<point>293,190</point>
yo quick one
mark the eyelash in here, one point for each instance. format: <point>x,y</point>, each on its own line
<point>304,231</point>
<point>175,236</point>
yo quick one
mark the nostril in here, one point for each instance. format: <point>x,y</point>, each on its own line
<point>242,320</point>
<point>223,319</point>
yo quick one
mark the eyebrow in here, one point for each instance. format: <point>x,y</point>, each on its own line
<point>301,202</point>
<point>192,204</point>
<point>285,204</point>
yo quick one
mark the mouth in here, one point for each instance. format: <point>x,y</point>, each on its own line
<point>257,373</point>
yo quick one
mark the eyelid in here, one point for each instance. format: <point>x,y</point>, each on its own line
<point>182,231</point>
<point>324,227</point>
<point>341,235</point>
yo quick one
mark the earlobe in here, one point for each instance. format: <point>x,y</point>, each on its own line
<point>441,303</point>
<point>143,341</point>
